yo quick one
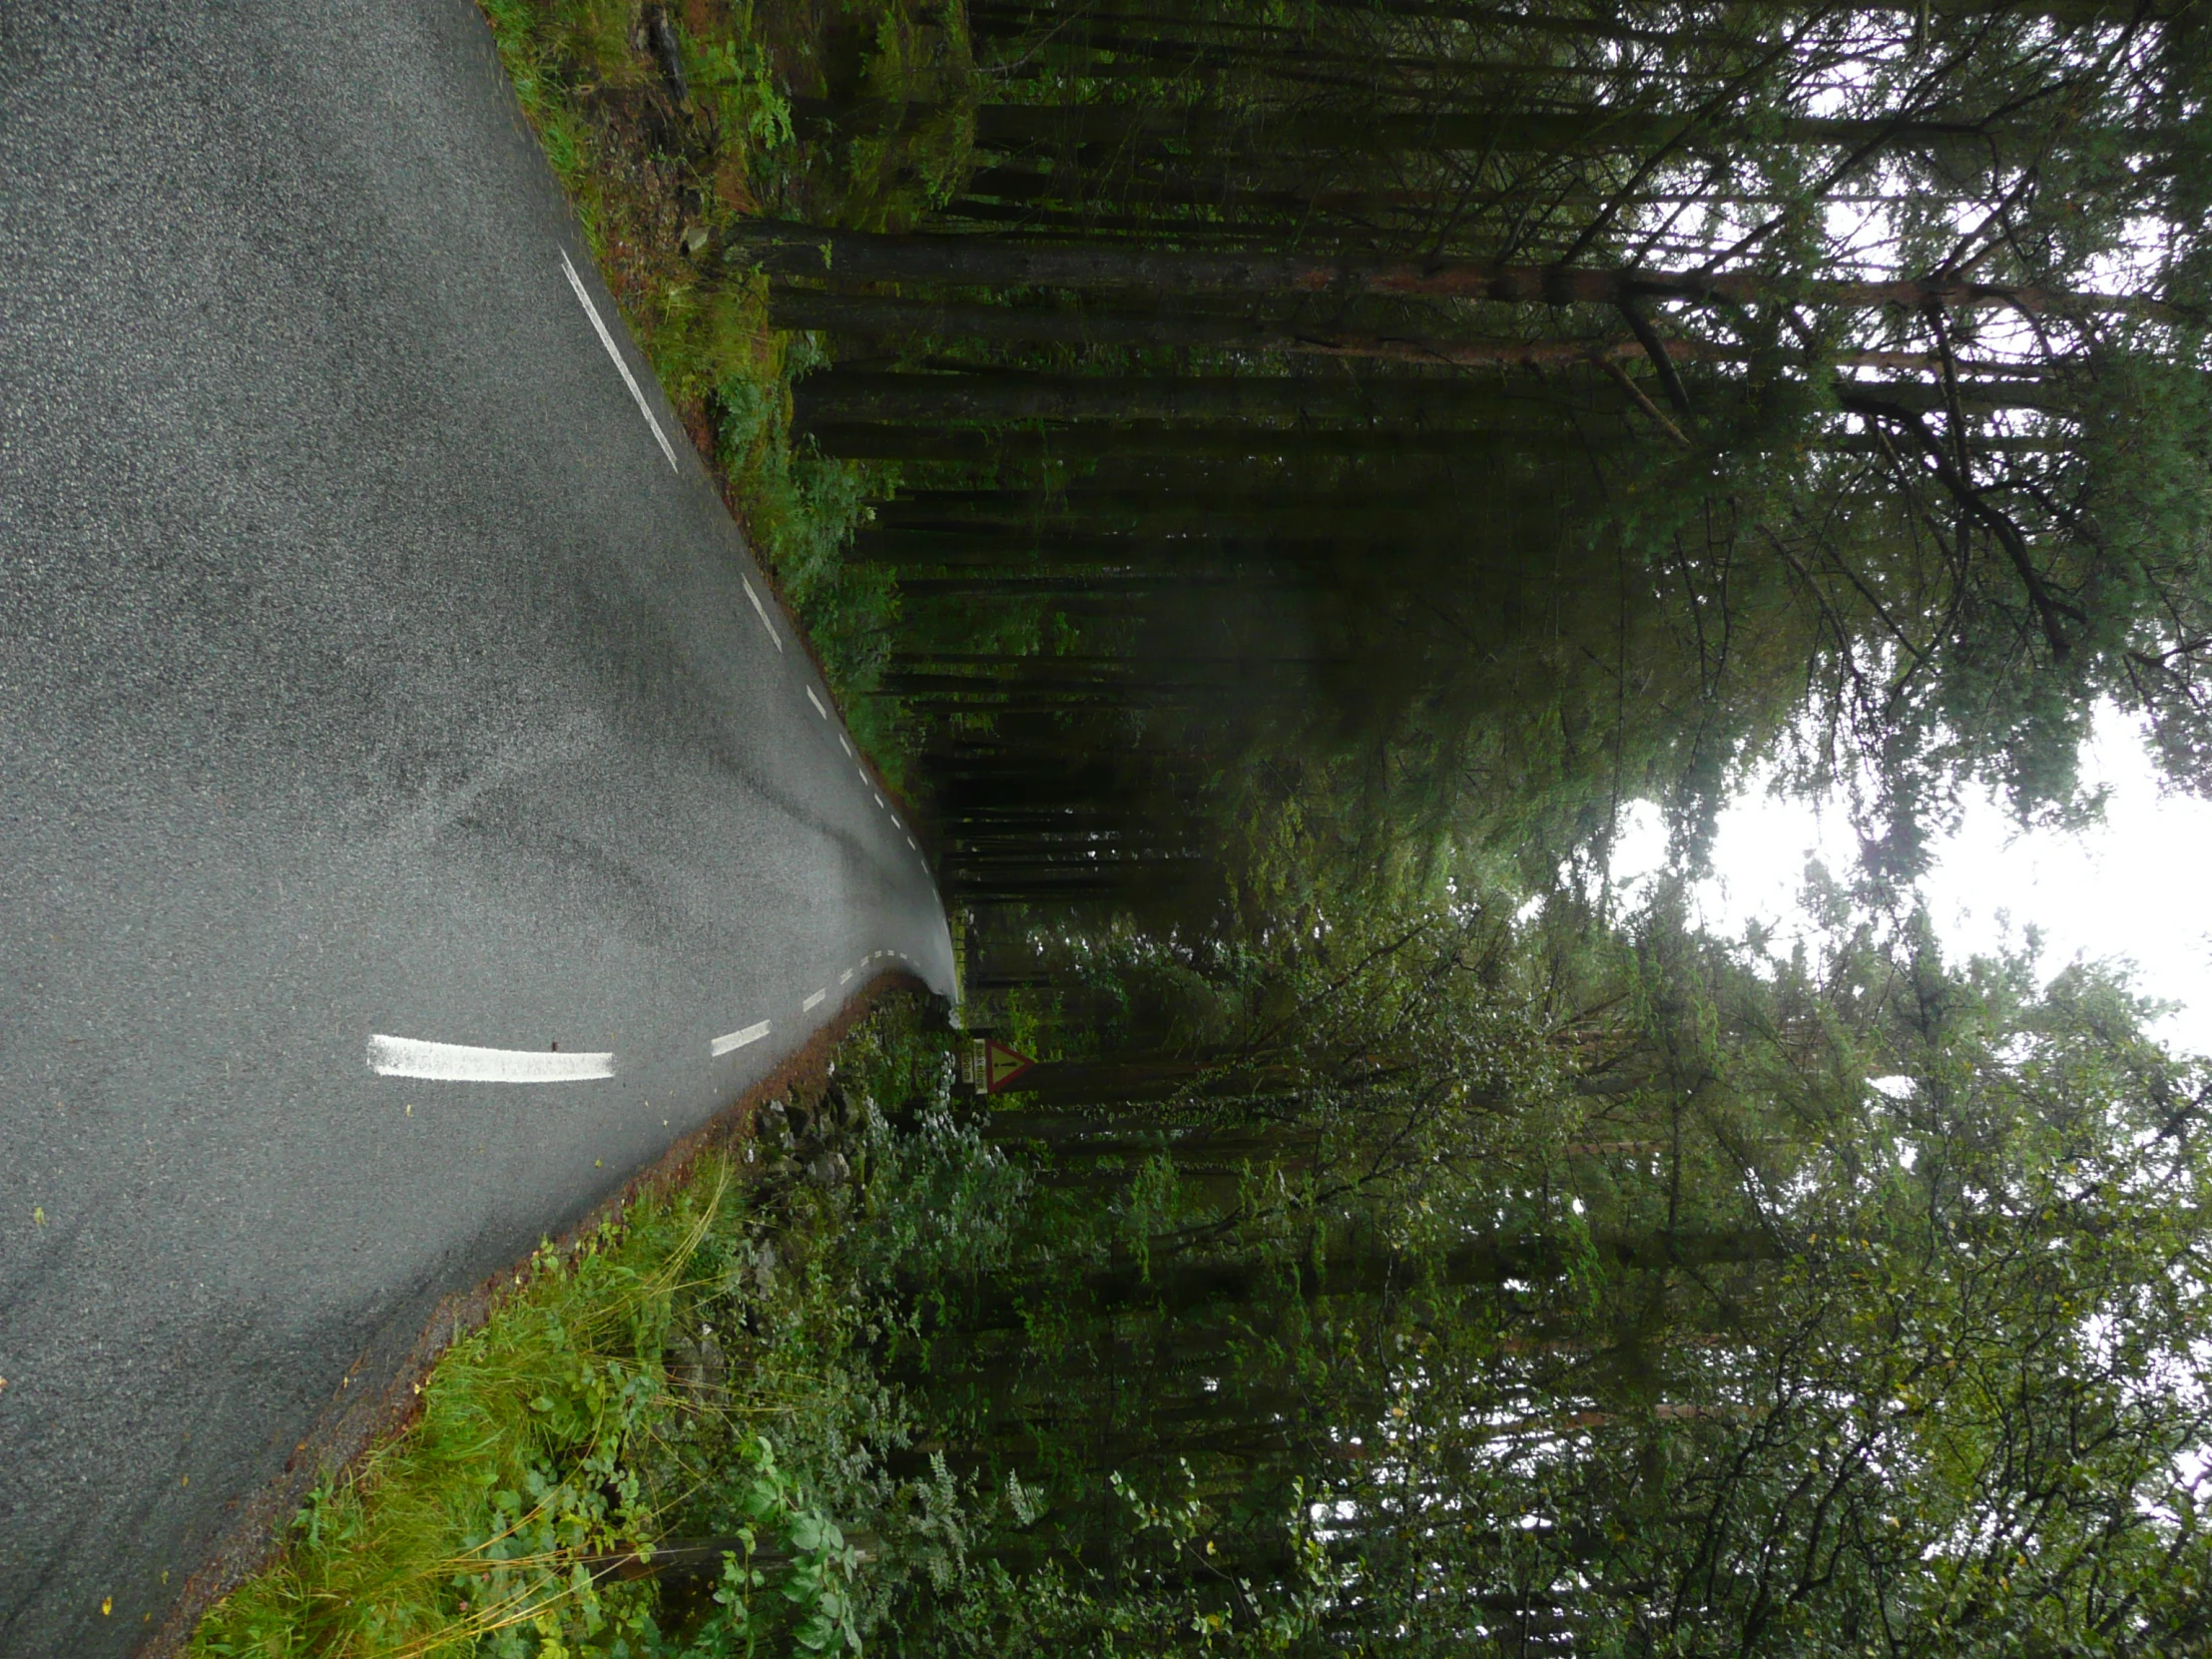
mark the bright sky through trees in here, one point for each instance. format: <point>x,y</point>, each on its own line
<point>2137,886</point>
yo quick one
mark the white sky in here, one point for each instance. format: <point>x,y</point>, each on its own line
<point>2139,887</point>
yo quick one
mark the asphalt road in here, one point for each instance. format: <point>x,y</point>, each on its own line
<point>368,671</point>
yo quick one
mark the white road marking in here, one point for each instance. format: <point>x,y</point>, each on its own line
<point>847,746</point>
<point>816,702</point>
<point>910,843</point>
<point>880,801</point>
<point>815,1001</point>
<point>846,978</point>
<point>607,340</point>
<point>459,1063</point>
<point>762,609</point>
<point>738,1039</point>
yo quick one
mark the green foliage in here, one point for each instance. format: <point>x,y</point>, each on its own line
<point>1485,1277</point>
<point>904,77</point>
<point>462,1532</point>
<point>812,1608</point>
<point>737,78</point>
<point>1368,564</point>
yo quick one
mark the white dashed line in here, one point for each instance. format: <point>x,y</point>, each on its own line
<point>816,702</point>
<point>846,978</point>
<point>458,1063</point>
<point>880,801</point>
<point>762,610</point>
<point>607,340</point>
<point>738,1039</point>
<point>910,843</point>
<point>815,1001</point>
<point>842,744</point>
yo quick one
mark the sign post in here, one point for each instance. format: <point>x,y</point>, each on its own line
<point>992,1065</point>
<point>1001,1065</point>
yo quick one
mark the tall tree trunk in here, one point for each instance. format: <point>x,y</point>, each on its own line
<point>986,262</point>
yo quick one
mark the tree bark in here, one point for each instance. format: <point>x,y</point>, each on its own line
<point>1597,127</point>
<point>990,262</point>
<point>844,398</point>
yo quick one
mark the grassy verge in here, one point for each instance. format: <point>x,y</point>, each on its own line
<point>667,123</point>
<point>695,1371</point>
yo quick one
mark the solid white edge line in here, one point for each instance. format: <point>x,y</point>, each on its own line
<point>816,702</point>
<point>459,1063</point>
<point>607,340</point>
<point>738,1039</point>
<point>762,610</point>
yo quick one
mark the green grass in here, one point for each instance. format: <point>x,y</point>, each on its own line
<point>655,179</point>
<point>453,1536</point>
<point>695,1368</point>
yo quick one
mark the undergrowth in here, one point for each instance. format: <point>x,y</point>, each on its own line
<point>694,1374</point>
<point>666,124</point>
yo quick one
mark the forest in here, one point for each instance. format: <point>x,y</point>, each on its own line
<point>1429,426</point>
<point>1274,482</point>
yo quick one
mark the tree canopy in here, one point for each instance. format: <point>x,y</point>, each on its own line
<point>1420,427</point>
<point>1476,1288</point>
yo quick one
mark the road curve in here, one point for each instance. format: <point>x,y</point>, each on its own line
<point>417,813</point>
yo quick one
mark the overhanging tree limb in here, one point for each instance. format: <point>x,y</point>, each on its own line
<point>1656,350</point>
<point>2051,612</point>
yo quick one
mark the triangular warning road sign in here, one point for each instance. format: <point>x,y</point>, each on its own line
<point>1001,1065</point>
